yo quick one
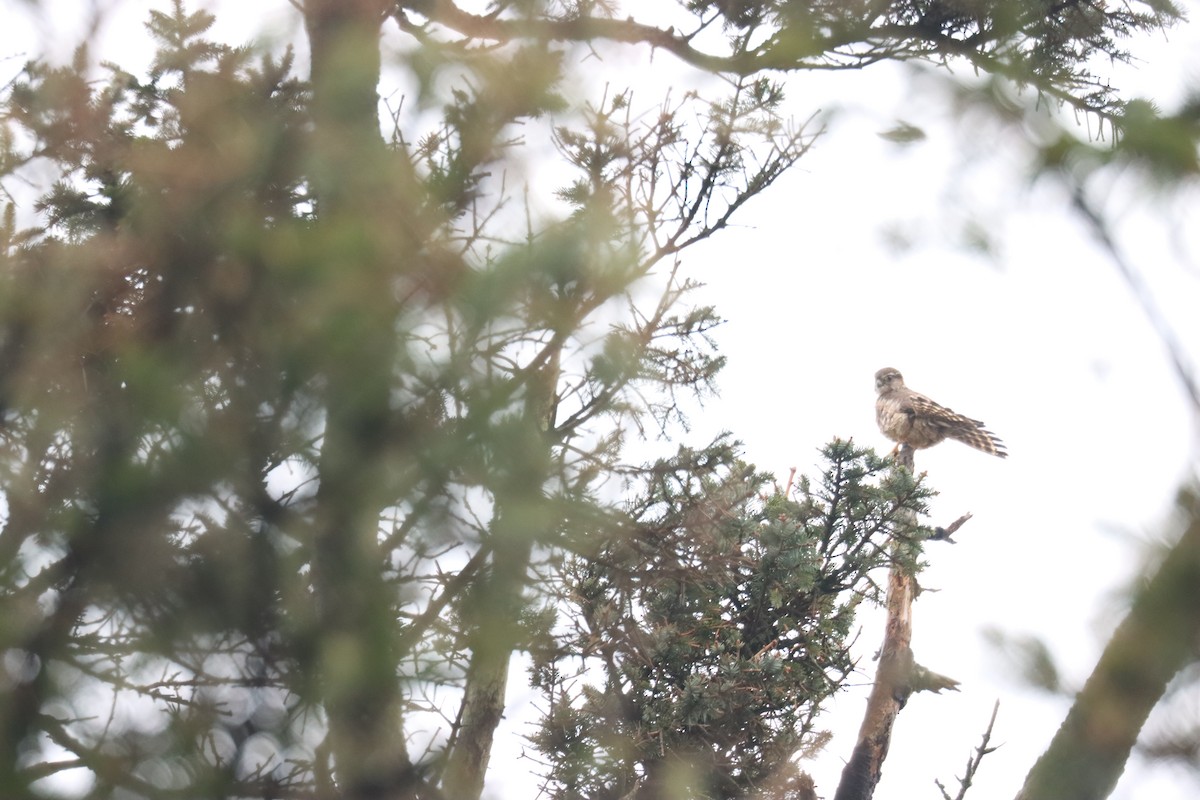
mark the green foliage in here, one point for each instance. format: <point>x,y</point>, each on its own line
<point>301,422</point>
<point>288,408</point>
<point>182,46</point>
<point>1049,46</point>
<point>706,634</point>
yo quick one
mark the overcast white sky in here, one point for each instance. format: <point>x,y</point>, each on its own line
<point>849,264</point>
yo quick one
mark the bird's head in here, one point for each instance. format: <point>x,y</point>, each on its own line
<point>888,378</point>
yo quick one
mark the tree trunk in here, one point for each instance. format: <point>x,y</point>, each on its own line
<point>892,686</point>
<point>496,630</point>
<point>343,40</point>
<point>355,658</point>
<point>493,640</point>
<point>897,676</point>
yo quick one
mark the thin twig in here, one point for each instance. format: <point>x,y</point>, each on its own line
<point>974,761</point>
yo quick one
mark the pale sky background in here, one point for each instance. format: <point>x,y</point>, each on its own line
<point>1042,339</point>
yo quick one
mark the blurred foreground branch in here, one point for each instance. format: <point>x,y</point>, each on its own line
<point>1141,293</point>
<point>1152,644</point>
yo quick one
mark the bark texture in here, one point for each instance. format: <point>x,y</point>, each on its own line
<point>892,682</point>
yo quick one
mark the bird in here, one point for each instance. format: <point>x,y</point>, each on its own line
<point>912,419</point>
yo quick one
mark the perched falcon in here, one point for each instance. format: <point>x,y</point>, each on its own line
<point>913,419</point>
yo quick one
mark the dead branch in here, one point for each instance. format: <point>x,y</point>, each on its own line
<point>924,679</point>
<point>896,678</point>
<point>943,534</point>
<point>973,761</point>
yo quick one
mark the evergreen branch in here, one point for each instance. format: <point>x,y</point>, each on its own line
<point>580,29</point>
<point>454,586</point>
<point>844,44</point>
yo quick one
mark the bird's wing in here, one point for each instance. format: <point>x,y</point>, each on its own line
<point>966,430</point>
<point>936,411</point>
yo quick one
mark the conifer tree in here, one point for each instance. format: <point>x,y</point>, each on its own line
<point>706,634</point>
<point>310,424</point>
